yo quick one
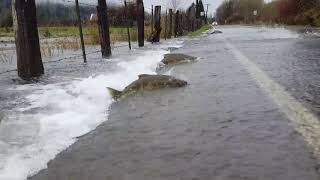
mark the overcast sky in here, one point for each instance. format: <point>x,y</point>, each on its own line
<point>184,3</point>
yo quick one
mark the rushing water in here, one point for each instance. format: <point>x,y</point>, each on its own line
<point>41,119</point>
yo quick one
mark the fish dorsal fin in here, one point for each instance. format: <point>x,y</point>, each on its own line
<point>143,75</point>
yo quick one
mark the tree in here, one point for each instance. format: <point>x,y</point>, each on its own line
<point>174,4</point>
<point>224,11</point>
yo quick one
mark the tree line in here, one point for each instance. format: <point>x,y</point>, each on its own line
<point>55,14</point>
<point>5,13</point>
<point>292,12</point>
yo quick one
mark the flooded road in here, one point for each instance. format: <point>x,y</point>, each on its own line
<point>251,112</point>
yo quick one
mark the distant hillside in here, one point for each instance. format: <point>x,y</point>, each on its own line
<point>47,12</point>
<point>51,13</point>
<point>5,13</point>
<point>4,5</point>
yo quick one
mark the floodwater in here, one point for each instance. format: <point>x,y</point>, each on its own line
<point>251,112</point>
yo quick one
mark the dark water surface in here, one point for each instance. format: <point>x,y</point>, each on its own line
<point>222,126</point>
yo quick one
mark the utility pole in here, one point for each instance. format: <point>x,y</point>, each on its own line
<point>80,30</point>
<point>207,12</point>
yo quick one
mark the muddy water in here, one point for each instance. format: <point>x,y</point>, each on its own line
<point>225,125</point>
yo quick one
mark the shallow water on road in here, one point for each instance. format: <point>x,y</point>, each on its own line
<point>290,58</point>
<point>222,126</point>
<point>42,118</point>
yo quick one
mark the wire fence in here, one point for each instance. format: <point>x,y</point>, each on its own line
<point>66,58</point>
<point>95,34</point>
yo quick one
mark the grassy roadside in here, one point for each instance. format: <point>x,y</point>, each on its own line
<point>65,31</point>
<point>199,31</point>
<point>117,33</point>
<point>6,32</point>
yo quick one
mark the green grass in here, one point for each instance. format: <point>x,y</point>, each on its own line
<point>53,31</point>
<point>59,31</point>
<point>199,31</point>
<point>66,31</point>
<point>118,33</point>
<point>6,32</point>
<point>74,31</point>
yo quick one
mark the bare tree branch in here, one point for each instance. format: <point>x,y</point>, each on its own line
<point>174,4</point>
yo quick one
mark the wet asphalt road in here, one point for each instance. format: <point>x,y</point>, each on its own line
<point>223,126</point>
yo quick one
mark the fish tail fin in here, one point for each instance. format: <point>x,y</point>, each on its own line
<point>115,93</point>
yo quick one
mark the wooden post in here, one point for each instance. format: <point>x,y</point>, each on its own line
<point>170,23</point>
<point>140,19</point>
<point>197,9</point>
<point>165,25</point>
<point>29,61</point>
<point>181,25</point>
<point>176,24</point>
<point>128,28</point>
<point>103,24</point>
<point>80,30</point>
<point>151,19</point>
<point>157,24</point>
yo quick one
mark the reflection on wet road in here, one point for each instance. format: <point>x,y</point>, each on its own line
<point>303,120</point>
<point>250,113</point>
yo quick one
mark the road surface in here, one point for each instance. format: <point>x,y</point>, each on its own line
<point>250,113</point>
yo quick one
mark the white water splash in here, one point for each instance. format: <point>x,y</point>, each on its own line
<point>61,113</point>
<point>257,33</point>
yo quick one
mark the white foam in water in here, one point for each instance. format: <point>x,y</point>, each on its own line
<point>257,33</point>
<point>62,113</point>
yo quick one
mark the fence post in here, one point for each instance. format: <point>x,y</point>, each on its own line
<point>140,19</point>
<point>80,30</point>
<point>103,23</point>
<point>181,25</point>
<point>170,23</point>
<point>128,28</point>
<point>157,24</point>
<point>29,61</point>
<point>151,19</point>
<point>176,24</point>
<point>165,25</point>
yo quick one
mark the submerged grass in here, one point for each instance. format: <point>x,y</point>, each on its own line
<point>64,31</point>
<point>6,32</point>
<point>199,31</point>
<point>55,39</point>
